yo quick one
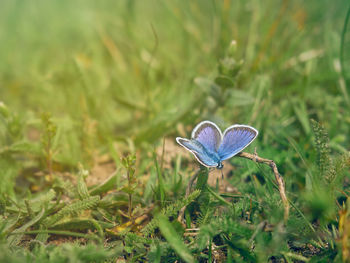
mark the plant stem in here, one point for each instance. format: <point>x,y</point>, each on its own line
<point>216,196</point>
<point>188,190</point>
<point>129,194</point>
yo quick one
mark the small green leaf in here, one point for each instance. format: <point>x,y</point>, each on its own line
<point>109,184</point>
<point>24,147</point>
<point>14,240</point>
<point>224,81</point>
<point>73,208</point>
<point>82,188</point>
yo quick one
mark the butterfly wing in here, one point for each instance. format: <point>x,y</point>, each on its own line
<point>236,138</point>
<point>198,151</point>
<point>208,134</point>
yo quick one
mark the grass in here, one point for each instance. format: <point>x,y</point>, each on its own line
<point>93,95</point>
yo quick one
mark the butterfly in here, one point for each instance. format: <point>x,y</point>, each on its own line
<point>211,147</point>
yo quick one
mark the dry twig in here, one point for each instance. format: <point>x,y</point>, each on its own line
<point>278,177</point>
<point>254,157</point>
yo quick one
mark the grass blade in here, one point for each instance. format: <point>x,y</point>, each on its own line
<point>174,240</point>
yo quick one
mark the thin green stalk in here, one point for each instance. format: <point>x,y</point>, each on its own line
<point>218,197</point>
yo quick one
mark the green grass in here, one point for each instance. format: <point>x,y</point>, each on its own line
<point>93,94</point>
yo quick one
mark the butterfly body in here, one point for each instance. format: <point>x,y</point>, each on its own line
<point>212,155</point>
<point>211,147</point>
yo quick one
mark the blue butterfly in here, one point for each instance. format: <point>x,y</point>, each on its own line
<point>211,147</point>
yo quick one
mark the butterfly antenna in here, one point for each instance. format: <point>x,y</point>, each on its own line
<point>222,175</point>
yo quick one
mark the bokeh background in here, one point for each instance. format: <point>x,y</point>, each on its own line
<point>137,68</point>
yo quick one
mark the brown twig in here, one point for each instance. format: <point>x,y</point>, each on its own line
<point>278,177</point>
<point>254,157</point>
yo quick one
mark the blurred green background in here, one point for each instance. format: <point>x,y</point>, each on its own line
<point>131,66</point>
<point>108,78</point>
